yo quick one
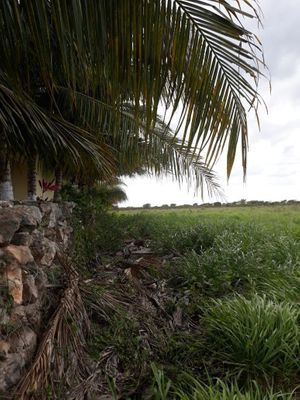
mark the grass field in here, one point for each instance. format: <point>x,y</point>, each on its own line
<point>227,293</point>
<point>285,217</point>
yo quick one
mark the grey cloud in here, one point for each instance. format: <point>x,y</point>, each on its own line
<point>281,36</point>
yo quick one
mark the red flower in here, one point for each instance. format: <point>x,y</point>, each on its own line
<point>48,186</point>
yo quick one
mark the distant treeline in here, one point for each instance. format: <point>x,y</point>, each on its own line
<point>239,203</point>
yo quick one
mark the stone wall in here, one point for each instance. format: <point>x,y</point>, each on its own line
<point>31,234</point>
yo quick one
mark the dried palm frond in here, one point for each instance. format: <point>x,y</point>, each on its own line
<point>101,301</point>
<point>60,359</point>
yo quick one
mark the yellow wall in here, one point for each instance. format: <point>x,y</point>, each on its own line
<point>19,181</point>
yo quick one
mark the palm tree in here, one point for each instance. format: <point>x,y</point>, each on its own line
<point>71,74</point>
<point>6,188</point>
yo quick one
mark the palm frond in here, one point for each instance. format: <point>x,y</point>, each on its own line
<point>26,128</point>
<point>194,56</point>
<point>61,353</point>
<point>224,53</point>
<point>155,149</point>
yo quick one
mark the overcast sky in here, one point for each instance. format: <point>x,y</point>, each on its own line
<point>273,158</point>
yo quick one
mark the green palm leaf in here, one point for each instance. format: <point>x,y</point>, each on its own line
<point>190,56</point>
<point>154,150</point>
<point>25,129</point>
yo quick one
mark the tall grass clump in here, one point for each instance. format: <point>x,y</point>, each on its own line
<point>256,338</point>
<point>228,391</point>
<point>244,260</point>
<point>194,238</point>
<point>192,389</point>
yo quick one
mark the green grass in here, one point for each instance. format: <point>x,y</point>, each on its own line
<point>236,282</point>
<point>285,218</point>
<point>256,338</point>
<point>192,389</point>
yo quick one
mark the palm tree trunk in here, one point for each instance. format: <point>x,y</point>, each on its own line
<point>6,189</point>
<point>58,183</point>
<point>31,179</point>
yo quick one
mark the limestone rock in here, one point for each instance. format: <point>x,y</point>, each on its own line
<point>9,224</point>
<point>33,315</point>
<point>21,239</point>
<point>52,213</point>
<point>31,217</point>
<point>6,204</point>
<point>11,369</point>
<point>13,276</point>
<point>41,280</point>
<point>4,316</point>
<point>43,249</point>
<point>4,349</point>
<point>21,254</point>
<point>50,234</point>
<point>24,342</point>
<point>63,234</point>
<point>30,292</point>
<point>18,316</point>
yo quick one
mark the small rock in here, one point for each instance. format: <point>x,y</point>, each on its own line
<point>21,254</point>
<point>5,204</point>
<point>9,224</point>
<point>13,276</point>
<point>4,349</point>
<point>63,234</point>
<point>33,315</point>
<point>11,369</point>
<point>31,217</point>
<point>30,292</point>
<point>18,316</point>
<point>21,239</point>
<point>51,214</point>
<point>24,341</point>
<point>41,280</point>
<point>4,317</point>
<point>43,249</point>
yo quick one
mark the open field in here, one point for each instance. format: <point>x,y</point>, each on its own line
<point>284,218</point>
<point>212,311</point>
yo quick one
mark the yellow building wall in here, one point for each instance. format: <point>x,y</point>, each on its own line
<point>19,181</point>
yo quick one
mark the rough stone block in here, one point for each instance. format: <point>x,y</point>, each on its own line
<point>9,224</point>
<point>21,239</point>
<point>11,369</point>
<point>43,249</point>
<point>31,217</point>
<point>30,292</point>
<point>21,254</point>
<point>24,341</point>
<point>13,276</point>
